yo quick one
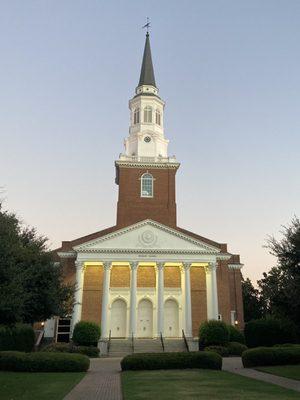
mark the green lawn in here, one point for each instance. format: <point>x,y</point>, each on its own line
<point>37,385</point>
<point>287,371</point>
<point>200,385</point>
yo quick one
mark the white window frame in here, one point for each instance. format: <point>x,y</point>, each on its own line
<point>152,181</point>
<point>136,116</point>
<point>148,117</point>
<point>232,317</point>
<point>158,117</point>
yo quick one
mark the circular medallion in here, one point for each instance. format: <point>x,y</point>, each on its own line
<point>147,139</point>
<point>148,238</point>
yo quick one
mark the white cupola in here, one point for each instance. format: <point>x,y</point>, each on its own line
<point>146,138</point>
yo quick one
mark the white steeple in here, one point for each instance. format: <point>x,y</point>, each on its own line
<point>146,140</point>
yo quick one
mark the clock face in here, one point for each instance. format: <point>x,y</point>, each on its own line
<point>147,139</point>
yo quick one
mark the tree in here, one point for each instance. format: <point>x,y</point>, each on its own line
<point>280,287</point>
<point>31,284</point>
<point>252,301</point>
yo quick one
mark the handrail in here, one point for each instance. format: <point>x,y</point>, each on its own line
<point>162,341</point>
<point>132,342</point>
<point>185,341</point>
<point>109,340</point>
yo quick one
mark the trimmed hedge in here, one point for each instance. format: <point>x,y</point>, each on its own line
<point>236,348</point>
<point>86,333</point>
<point>222,350</point>
<point>19,337</point>
<point>268,332</point>
<point>43,362</point>
<point>213,333</point>
<point>152,361</point>
<point>271,356</point>
<point>90,351</point>
<point>235,335</point>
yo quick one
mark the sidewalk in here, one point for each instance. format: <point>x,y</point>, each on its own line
<point>102,381</point>
<point>234,364</point>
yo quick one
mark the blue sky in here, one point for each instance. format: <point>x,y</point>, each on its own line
<point>229,73</point>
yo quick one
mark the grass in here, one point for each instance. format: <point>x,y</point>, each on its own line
<point>37,385</point>
<point>200,385</point>
<point>287,371</point>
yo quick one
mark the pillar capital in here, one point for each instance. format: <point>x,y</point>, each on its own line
<point>107,265</point>
<point>79,264</point>
<point>212,266</point>
<point>186,266</point>
<point>160,266</point>
<point>134,265</point>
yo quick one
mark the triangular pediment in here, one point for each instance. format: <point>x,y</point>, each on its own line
<point>149,236</point>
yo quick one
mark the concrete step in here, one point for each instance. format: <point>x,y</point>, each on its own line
<point>120,348</point>
<point>174,345</point>
<point>147,346</point>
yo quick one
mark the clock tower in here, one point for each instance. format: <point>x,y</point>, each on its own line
<point>145,173</point>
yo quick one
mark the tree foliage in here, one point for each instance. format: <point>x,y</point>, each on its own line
<point>31,284</point>
<point>253,305</point>
<point>280,287</point>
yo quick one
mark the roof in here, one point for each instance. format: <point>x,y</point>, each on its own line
<point>147,72</point>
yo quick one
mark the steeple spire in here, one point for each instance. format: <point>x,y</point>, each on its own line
<point>147,72</point>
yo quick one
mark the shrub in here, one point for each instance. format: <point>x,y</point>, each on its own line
<point>86,333</point>
<point>19,337</point>
<point>236,348</point>
<point>269,331</point>
<point>235,335</point>
<point>213,333</point>
<point>43,362</point>
<point>222,350</point>
<point>90,351</point>
<point>287,345</point>
<point>271,356</point>
<point>151,361</point>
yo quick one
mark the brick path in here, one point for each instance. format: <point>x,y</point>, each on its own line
<point>102,381</point>
<point>234,364</point>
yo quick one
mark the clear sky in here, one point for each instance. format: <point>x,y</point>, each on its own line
<point>229,73</point>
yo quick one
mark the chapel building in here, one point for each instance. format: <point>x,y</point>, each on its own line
<point>145,276</point>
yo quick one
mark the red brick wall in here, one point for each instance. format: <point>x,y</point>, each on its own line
<point>92,294</point>
<point>133,208</point>
<point>198,298</point>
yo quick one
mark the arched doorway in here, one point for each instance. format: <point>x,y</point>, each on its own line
<point>145,319</point>
<point>171,319</point>
<point>118,318</point>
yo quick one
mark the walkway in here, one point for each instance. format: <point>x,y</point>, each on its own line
<point>234,364</point>
<point>102,381</point>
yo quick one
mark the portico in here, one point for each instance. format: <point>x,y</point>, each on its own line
<point>159,307</point>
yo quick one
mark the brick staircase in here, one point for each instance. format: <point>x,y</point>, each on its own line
<point>123,347</point>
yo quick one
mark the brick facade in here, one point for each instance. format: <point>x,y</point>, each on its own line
<point>133,208</point>
<point>92,294</point>
<point>198,297</point>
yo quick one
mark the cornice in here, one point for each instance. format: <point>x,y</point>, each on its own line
<point>208,249</point>
<point>67,254</point>
<point>147,251</point>
<point>235,266</point>
<point>139,164</point>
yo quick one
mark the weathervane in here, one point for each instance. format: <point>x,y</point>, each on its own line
<point>147,26</point>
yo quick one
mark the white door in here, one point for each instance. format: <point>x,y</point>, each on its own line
<point>145,319</point>
<point>171,317</point>
<point>118,318</point>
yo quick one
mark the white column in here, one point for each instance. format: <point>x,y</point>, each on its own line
<point>133,288</point>
<point>188,302</point>
<point>105,299</point>
<point>212,291</point>
<point>160,299</point>
<point>78,293</point>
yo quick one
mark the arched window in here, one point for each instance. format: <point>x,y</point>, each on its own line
<point>158,117</point>
<point>148,114</point>
<point>136,116</point>
<point>147,185</point>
